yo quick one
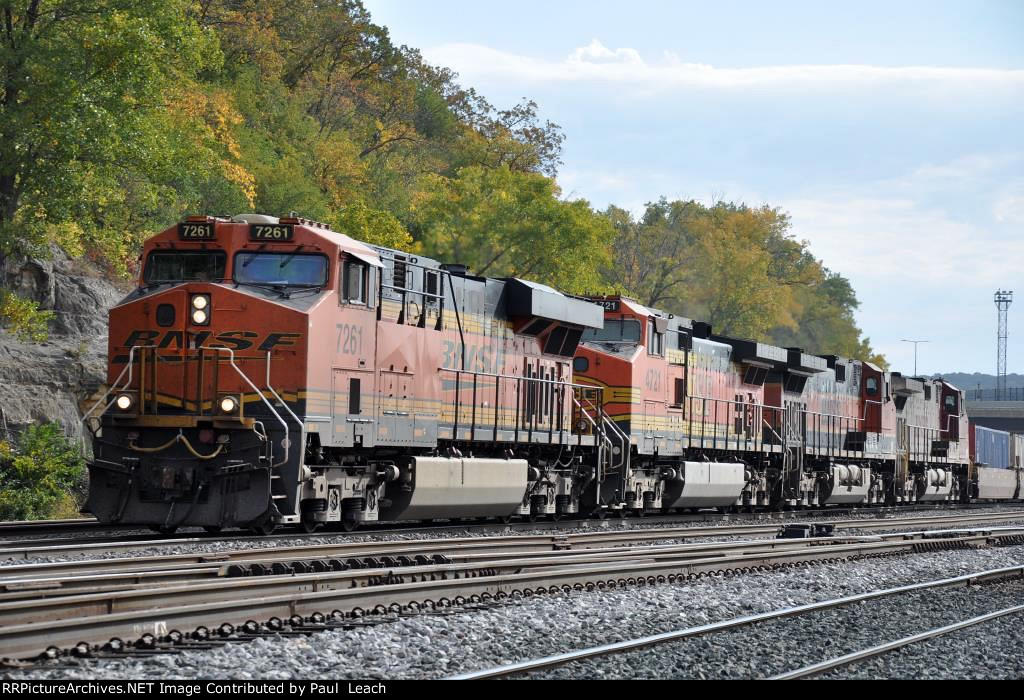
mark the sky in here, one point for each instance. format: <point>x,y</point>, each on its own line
<point>892,133</point>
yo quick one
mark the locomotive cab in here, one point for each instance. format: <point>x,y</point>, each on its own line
<point>203,423</point>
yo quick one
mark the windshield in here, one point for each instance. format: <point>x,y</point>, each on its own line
<point>287,269</point>
<point>185,266</point>
<point>627,331</point>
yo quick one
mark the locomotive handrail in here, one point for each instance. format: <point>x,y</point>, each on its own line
<point>114,386</point>
<point>278,397</point>
<point>598,431</point>
<point>231,360</point>
<point>949,422</point>
<point>870,401</point>
<point>769,426</point>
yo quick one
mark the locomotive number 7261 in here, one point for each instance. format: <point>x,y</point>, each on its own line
<point>350,339</point>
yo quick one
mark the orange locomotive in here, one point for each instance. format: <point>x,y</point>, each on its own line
<point>707,420</point>
<point>270,371</point>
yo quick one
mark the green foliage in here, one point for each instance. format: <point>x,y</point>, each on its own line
<point>39,475</point>
<point>87,137</point>
<point>505,223</point>
<point>739,269</point>
<point>23,317</point>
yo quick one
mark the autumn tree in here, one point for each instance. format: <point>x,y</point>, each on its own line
<point>738,268</point>
<point>504,223</point>
<point>88,140</point>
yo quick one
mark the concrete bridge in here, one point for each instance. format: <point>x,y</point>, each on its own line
<point>999,410</point>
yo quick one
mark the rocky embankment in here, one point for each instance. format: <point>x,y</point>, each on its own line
<point>49,381</point>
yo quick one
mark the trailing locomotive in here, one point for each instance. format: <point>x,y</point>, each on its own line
<point>271,371</point>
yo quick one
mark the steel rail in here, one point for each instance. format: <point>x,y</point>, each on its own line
<point>21,588</point>
<point>31,549</point>
<point>457,546</point>
<point>734,623</point>
<point>132,614</point>
<point>878,650</point>
<point>28,527</point>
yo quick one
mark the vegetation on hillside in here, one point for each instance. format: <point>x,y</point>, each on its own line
<point>42,475</point>
<point>117,117</point>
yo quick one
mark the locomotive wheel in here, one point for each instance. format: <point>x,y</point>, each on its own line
<point>265,528</point>
<point>310,526</point>
<point>555,517</point>
<point>212,529</point>
<point>348,522</point>
<point>169,530</point>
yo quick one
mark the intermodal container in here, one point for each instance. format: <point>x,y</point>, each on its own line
<point>991,447</point>
<point>1016,451</point>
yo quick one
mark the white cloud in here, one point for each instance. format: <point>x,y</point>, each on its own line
<point>598,63</point>
<point>1009,205</point>
<point>966,167</point>
<point>898,240</point>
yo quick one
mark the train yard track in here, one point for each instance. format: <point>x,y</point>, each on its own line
<point>13,551</point>
<point>89,530</point>
<point>523,668</point>
<point>167,602</point>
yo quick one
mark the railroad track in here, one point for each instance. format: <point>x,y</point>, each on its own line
<point>32,550</point>
<point>888,647</point>
<point>523,668</point>
<point>144,616</point>
<point>37,528</point>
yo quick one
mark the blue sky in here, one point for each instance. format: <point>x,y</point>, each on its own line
<point>893,133</point>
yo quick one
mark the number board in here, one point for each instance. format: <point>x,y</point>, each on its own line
<point>271,232</point>
<point>196,232</point>
<point>608,304</point>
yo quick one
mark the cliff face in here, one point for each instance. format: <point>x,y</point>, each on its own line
<point>49,381</point>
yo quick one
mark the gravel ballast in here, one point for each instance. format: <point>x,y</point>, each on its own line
<point>442,645</point>
<point>989,651</point>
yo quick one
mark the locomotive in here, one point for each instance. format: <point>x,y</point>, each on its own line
<point>270,371</point>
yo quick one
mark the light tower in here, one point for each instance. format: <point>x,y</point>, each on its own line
<point>1003,300</point>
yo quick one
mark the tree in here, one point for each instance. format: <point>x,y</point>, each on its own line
<point>654,256</point>
<point>86,128</point>
<point>40,474</point>
<point>504,223</point>
<point>737,268</point>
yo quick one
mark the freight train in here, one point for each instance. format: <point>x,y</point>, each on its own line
<point>270,371</point>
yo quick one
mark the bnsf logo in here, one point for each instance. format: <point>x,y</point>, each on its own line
<point>236,340</point>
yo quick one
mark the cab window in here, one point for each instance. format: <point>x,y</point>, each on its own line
<point>624,331</point>
<point>871,386</point>
<point>281,269</point>
<point>353,281</point>
<point>950,403</point>
<point>185,266</point>
<point>655,340</point>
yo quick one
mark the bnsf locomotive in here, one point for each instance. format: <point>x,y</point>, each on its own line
<point>271,371</point>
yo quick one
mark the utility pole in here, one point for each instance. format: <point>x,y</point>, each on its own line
<point>1003,300</point>
<point>915,342</point>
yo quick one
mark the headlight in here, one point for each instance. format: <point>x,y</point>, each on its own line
<point>199,317</point>
<point>200,301</point>
<point>124,402</point>
<point>228,404</point>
